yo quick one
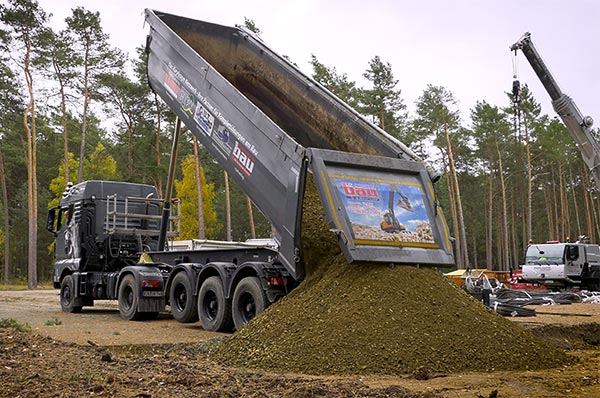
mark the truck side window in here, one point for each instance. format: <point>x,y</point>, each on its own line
<point>572,253</point>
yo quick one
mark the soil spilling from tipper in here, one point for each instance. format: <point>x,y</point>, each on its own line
<point>375,319</point>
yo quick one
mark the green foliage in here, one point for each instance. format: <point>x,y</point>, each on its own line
<point>436,113</point>
<point>90,42</point>
<point>99,165</point>
<point>58,184</point>
<point>383,101</point>
<point>8,95</point>
<point>338,84</point>
<point>12,323</point>
<point>187,192</point>
<point>53,322</point>
<point>25,18</point>
<point>249,23</point>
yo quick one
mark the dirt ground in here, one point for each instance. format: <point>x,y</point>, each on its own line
<point>95,353</point>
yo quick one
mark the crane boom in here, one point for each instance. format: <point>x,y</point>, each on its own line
<point>579,126</point>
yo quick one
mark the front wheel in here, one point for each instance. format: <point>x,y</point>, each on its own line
<point>129,297</point>
<point>214,310</point>
<point>181,297</point>
<point>67,295</point>
<point>249,300</point>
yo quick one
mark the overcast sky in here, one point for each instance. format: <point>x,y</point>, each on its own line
<point>462,45</point>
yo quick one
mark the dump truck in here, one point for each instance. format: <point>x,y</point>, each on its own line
<point>269,126</point>
<point>565,264</point>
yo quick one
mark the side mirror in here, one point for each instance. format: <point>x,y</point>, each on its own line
<point>50,221</point>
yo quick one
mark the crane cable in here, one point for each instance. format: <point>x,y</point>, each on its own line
<point>516,88</point>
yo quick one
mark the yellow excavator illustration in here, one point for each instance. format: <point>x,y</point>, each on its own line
<point>390,223</point>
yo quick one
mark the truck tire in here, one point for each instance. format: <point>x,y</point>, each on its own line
<point>129,297</point>
<point>67,295</point>
<point>214,310</point>
<point>181,297</point>
<point>249,300</point>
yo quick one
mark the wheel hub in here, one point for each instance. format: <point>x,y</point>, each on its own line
<point>248,307</point>
<point>211,305</point>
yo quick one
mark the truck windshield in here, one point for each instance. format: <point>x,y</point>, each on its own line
<point>544,254</point>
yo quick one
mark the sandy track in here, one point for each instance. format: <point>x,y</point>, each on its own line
<point>100,324</point>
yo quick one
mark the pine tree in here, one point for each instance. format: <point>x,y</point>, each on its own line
<point>91,44</point>
<point>63,60</point>
<point>27,23</point>
<point>383,102</point>
<point>338,84</point>
<point>491,130</point>
<point>437,115</point>
<point>128,101</point>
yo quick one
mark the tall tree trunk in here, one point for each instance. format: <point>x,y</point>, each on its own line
<point>575,206</point>
<point>527,236</point>
<point>556,206</point>
<point>506,252</point>
<point>201,231</point>
<point>549,213</point>
<point>490,221</point>
<point>457,246</point>
<point>86,103</point>
<point>6,221</point>
<point>250,217</point>
<point>30,131</point>
<point>475,261</point>
<point>456,189</point>
<point>500,253</point>
<point>588,204</point>
<point>130,132</point>
<point>563,204</point>
<point>513,233</point>
<point>227,207</point>
<point>63,110</point>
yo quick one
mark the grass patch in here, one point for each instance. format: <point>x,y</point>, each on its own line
<point>17,285</point>
<point>53,322</point>
<point>12,323</point>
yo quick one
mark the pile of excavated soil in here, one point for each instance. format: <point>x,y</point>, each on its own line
<point>374,319</point>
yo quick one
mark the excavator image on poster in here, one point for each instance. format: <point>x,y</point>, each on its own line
<point>390,223</point>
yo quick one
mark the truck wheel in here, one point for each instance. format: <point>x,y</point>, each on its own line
<point>214,310</point>
<point>181,297</point>
<point>67,295</point>
<point>249,300</point>
<point>129,299</point>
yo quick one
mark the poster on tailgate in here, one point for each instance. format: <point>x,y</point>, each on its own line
<point>384,211</point>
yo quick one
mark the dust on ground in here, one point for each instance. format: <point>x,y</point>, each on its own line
<point>83,356</point>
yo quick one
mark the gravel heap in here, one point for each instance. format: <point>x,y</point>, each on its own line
<point>374,319</point>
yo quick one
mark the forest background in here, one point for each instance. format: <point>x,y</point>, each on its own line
<point>74,108</point>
